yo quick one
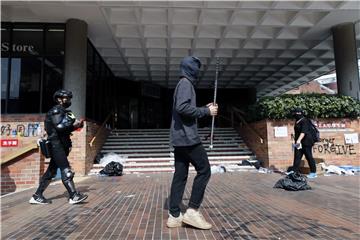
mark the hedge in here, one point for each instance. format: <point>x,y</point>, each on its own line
<point>314,105</point>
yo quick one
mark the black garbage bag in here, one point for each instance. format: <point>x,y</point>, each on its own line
<point>293,182</point>
<point>113,169</point>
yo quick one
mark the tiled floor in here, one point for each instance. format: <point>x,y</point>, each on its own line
<point>239,205</point>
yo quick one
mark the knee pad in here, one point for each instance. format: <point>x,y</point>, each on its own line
<point>67,174</point>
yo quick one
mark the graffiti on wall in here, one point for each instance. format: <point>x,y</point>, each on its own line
<point>32,129</point>
<point>328,146</point>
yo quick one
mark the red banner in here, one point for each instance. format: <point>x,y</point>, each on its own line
<point>9,142</point>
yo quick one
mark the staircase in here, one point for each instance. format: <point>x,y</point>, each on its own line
<point>147,150</point>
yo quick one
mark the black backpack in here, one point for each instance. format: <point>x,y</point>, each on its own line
<point>315,134</point>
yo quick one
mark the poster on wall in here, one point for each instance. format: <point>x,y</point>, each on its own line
<point>351,138</point>
<point>281,131</point>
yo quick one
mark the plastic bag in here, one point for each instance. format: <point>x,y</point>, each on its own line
<point>112,169</point>
<point>112,157</point>
<point>293,182</point>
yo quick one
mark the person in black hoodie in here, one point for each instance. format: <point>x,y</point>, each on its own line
<point>188,148</point>
<point>303,142</point>
<point>59,123</point>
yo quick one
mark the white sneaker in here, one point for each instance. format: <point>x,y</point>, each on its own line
<point>77,198</point>
<point>194,218</point>
<point>174,222</point>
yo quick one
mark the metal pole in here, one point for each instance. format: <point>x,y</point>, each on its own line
<point>215,93</point>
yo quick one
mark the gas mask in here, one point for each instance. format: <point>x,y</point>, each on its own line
<point>298,116</point>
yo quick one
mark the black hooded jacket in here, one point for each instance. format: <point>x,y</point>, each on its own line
<point>183,131</point>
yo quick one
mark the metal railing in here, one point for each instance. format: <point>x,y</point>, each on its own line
<point>15,154</point>
<point>237,113</point>
<point>100,129</point>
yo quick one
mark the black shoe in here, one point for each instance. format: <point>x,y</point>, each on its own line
<point>77,198</point>
<point>35,199</point>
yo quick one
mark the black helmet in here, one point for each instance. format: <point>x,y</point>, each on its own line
<point>62,93</point>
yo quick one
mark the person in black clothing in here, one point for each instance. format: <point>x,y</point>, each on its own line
<point>188,148</point>
<point>59,123</point>
<point>303,142</point>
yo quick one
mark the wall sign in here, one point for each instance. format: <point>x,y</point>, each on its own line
<point>9,142</point>
<point>351,138</point>
<point>281,131</point>
<point>5,47</point>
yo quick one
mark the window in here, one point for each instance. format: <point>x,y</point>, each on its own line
<point>32,66</point>
<point>53,79</point>
<point>55,41</point>
<point>24,94</point>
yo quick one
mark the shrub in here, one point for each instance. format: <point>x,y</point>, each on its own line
<point>315,106</point>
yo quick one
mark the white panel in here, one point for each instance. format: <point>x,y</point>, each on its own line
<point>185,16</point>
<point>205,43</point>
<point>210,32</point>
<point>180,43</point>
<point>122,16</point>
<point>155,31</point>
<point>154,16</point>
<point>156,43</point>
<point>215,17</point>
<point>182,31</point>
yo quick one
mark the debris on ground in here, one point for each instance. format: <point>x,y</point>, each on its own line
<point>265,170</point>
<point>293,182</point>
<point>218,169</point>
<point>112,157</point>
<point>112,169</point>
<point>335,170</point>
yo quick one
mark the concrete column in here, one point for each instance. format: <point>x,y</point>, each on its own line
<point>347,71</point>
<point>75,64</point>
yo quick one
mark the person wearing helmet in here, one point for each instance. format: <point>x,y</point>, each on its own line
<point>59,123</point>
<point>188,148</point>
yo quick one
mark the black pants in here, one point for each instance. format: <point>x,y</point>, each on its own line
<point>58,160</point>
<point>298,154</point>
<point>196,155</point>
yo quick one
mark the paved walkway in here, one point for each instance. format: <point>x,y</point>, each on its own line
<point>239,205</point>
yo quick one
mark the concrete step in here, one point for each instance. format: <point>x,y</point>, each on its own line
<point>130,164</point>
<point>162,150</point>
<point>166,146</point>
<point>216,158</point>
<point>167,130</point>
<point>155,154</point>
<point>160,135</point>
<point>148,150</point>
<point>154,142</point>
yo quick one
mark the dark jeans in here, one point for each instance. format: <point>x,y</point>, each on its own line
<point>298,154</point>
<point>196,155</point>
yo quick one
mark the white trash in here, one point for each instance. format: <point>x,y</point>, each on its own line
<point>218,169</point>
<point>335,170</point>
<point>112,157</point>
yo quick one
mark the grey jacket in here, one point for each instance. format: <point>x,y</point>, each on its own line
<point>183,131</point>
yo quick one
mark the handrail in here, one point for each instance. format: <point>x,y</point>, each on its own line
<point>12,155</point>
<point>100,129</point>
<point>239,114</point>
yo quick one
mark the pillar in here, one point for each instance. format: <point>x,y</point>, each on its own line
<point>346,62</point>
<point>75,64</point>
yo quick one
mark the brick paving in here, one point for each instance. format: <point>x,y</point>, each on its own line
<point>240,205</point>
